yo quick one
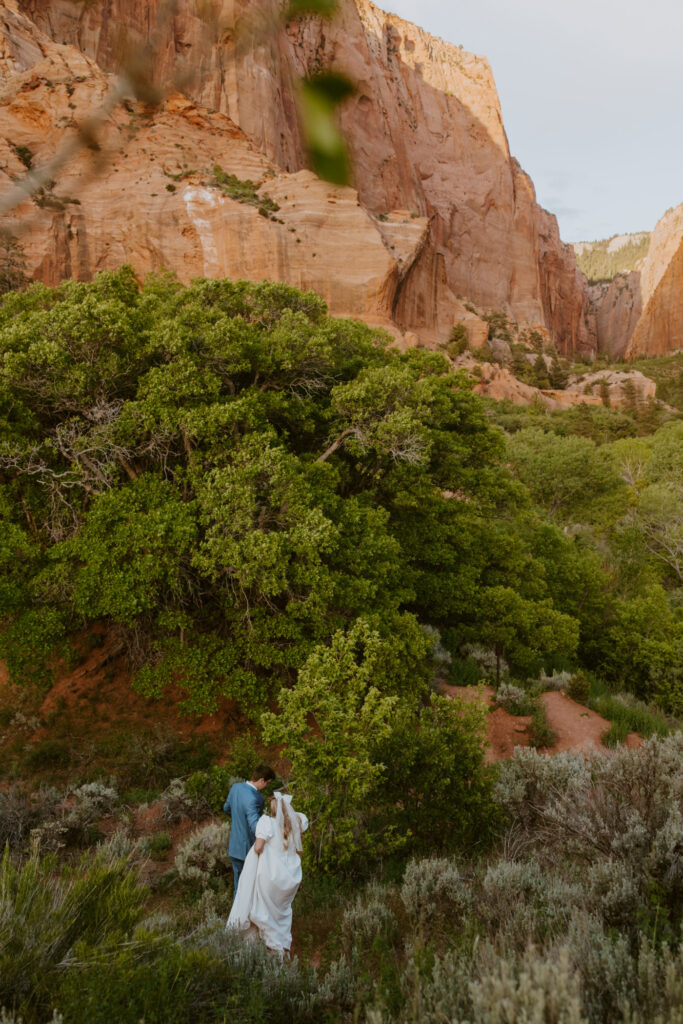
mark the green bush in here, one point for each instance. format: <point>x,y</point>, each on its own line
<point>154,979</point>
<point>48,755</point>
<point>540,733</point>
<point>458,340</point>
<point>211,785</point>
<point>159,845</point>
<point>578,688</point>
<point>43,916</point>
<point>242,191</point>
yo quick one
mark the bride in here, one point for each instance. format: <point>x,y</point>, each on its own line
<point>271,876</point>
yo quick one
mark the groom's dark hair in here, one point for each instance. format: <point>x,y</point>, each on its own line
<point>262,771</point>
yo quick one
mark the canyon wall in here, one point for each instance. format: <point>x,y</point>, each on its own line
<point>641,313</point>
<point>440,213</point>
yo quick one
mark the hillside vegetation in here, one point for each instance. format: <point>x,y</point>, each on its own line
<point>263,507</point>
<point>602,261</point>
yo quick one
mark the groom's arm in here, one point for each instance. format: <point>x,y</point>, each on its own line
<point>253,815</point>
<point>227,809</point>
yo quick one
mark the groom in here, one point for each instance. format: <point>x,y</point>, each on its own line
<point>244,805</point>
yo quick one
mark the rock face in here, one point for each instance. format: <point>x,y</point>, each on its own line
<point>618,305</point>
<point>495,381</point>
<point>425,131</point>
<point>660,327</point>
<point>132,210</point>
<point>641,313</point>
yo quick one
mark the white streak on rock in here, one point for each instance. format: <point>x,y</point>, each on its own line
<point>196,201</point>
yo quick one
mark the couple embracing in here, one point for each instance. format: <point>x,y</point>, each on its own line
<point>265,855</point>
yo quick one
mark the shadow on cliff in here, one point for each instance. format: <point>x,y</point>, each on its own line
<point>618,306</point>
<point>422,148</point>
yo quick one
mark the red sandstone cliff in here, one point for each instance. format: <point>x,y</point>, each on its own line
<point>425,132</point>
<point>641,313</point>
<point>660,327</point>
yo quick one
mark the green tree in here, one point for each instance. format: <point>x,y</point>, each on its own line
<point>565,475</point>
<point>604,392</point>
<point>557,375</point>
<point>332,724</point>
<point>642,649</point>
<point>540,377</point>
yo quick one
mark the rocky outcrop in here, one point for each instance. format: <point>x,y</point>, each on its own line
<point>426,136</point>
<point>616,388</point>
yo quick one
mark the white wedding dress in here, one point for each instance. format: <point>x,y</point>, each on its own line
<point>269,880</point>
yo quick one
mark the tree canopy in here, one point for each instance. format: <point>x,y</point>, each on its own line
<point>230,478</point>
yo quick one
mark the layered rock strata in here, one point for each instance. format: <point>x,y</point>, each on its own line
<point>425,132</point>
<point>146,202</point>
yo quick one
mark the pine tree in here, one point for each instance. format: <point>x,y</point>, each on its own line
<point>630,395</point>
<point>557,375</point>
<point>520,366</point>
<point>541,373</point>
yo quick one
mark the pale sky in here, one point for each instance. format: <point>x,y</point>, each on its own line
<point>592,97</point>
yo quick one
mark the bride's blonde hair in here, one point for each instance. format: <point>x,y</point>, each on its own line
<point>286,822</point>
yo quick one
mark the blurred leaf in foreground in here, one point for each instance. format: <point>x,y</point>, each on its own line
<point>320,99</point>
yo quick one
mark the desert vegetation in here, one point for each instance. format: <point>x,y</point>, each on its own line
<point>602,261</point>
<point>236,501</point>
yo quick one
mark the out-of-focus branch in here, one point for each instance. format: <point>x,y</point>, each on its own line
<point>320,97</point>
<point>133,82</point>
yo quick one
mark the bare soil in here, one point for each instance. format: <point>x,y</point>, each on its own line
<point>576,727</point>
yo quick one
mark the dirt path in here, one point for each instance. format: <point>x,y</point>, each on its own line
<point>576,727</point>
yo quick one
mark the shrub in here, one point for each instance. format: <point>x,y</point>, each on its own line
<point>366,918</point>
<point>433,888</point>
<point>513,699</point>
<point>540,733</point>
<point>615,893</point>
<point>154,759</point>
<point>529,989</point>
<point>536,989</point>
<point>180,802</point>
<point>203,856</point>
<point>43,916</point>
<point>579,688</point>
<point>557,681</point>
<point>159,845</point>
<point>280,994</point>
<point>628,714</point>
<point>523,903</point>
<point>624,806</point>
<point>243,757</point>
<point>21,813</point>
<point>458,340</point>
<point>89,802</point>
<point>243,192</point>
<point>75,818</point>
<point>487,660</point>
<point>48,754</point>
<point>152,979</point>
<point>211,787</point>
<point>529,781</point>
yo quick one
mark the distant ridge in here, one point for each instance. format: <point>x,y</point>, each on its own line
<point>603,260</point>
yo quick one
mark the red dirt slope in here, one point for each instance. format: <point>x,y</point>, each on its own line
<point>576,727</point>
